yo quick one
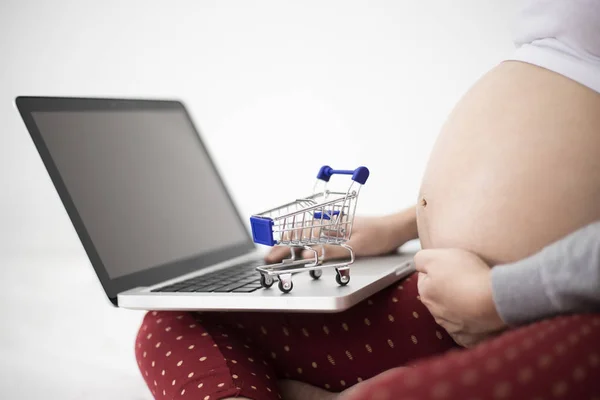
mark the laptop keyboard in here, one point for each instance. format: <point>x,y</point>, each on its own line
<point>241,278</point>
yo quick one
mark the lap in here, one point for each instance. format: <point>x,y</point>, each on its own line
<point>243,353</point>
<point>334,351</point>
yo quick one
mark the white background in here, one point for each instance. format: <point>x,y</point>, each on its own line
<point>277,88</point>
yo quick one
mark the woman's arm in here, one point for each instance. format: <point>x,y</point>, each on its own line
<point>371,236</point>
<point>472,301</point>
<point>404,225</point>
<point>562,278</point>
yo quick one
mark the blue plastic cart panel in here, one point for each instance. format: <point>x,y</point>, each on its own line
<point>326,214</point>
<point>262,230</point>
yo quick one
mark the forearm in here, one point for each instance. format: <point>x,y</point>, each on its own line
<point>562,278</point>
<point>403,226</point>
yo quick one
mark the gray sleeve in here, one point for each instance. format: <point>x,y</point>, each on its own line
<point>562,278</point>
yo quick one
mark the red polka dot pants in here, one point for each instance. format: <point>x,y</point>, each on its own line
<point>209,356</point>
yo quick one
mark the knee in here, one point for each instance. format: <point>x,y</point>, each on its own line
<point>153,322</point>
<point>162,329</point>
<point>166,350</point>
<point>158,317</point>
<point>179,358</point>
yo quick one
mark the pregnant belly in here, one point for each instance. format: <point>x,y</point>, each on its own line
<point>516,166</point>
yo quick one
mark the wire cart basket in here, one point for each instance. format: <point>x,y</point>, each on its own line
<point>323,218</point>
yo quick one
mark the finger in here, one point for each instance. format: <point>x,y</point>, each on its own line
<point>421,260</point>
<point>439,315</point>
<point>307,254</point>
<point>466,339</point>
<point>421,285</point>
<point>311,230</point>
<point>301,230</point>
<point>424,259</point>
<point>421,278</point>
<point>331,253</point>
<point>336,227</point>
<point>428,290</point>
<point>277,254</point>
<point>448,325</point>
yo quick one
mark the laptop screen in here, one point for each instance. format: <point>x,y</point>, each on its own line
<point>143,186</point>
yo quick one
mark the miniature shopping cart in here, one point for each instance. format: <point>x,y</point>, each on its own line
<point>323,218</point>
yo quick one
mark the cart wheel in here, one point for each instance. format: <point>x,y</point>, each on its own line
<point>342,280</point>
<point>316,273</point>
<point>266,281</point>
<point>286,287</point>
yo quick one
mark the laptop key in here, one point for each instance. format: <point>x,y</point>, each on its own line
<point>169,288</point>
<point>250,280</point>
<point>188,289</point>
<point>245,289</point>
<point>177,287</point>
<point>211,288</point>
<point>237,275</point>
<point>200,286</point>
<point>208,282</point>
<point>253,286</point>
<point>229,287</point>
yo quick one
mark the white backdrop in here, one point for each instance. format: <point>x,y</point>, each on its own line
<point>340,82</point>
<point>277,88</point>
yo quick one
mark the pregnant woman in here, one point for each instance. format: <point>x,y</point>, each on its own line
<point>515,171</point>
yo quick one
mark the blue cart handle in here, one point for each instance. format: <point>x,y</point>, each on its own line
<point>360,174</point>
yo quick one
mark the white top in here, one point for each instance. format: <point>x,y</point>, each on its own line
<point>562,36</point>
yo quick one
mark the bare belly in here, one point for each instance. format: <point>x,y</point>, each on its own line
<point>516,166</point>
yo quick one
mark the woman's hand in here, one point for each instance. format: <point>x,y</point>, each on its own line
<point>455,285</point>
<point>371,236</point>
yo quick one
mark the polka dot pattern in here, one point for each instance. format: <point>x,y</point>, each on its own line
<point>324,349</point>
<point>552,359</point>
<point>217,355</point>
<point>186,365</point>
<point>318,349</point>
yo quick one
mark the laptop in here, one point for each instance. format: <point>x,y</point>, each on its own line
<point>157,221</point>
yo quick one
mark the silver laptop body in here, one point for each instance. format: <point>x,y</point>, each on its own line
<point>155,218</point>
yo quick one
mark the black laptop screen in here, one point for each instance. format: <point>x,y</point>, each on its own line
<point>143,185</point>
